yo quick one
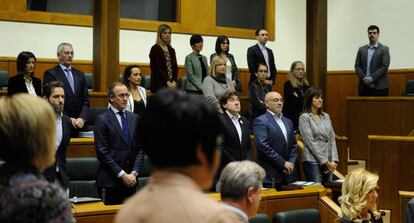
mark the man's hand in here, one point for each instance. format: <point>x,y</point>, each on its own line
<point>129,180</point>
<point>77,122</point>
<point>289,167</point>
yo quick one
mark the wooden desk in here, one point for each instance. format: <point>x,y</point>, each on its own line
<point>405,196</point>
<point>377,116</point>
<point>95,212</point>
<point>81,147</point>
<point>392,158</point>
<point>271,201</point>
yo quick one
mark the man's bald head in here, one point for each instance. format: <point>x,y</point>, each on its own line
<point>274,102</point>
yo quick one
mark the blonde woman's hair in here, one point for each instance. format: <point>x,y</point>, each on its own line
<point>213,65</point>
<point>357,185</point>
<point>27,131</point>
<point>162,28</point>
<point>293,80</point>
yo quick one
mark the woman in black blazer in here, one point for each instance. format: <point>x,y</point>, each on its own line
<point>293,91</point>
<point>24,81</point>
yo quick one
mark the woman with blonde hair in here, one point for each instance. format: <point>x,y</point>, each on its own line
<point>163,62</point>
<point>359,198</point>
<point>216,84</point>
<point>28,135</point>
<point>294,91</point>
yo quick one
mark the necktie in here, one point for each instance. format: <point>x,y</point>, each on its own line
<point>69,76</point>
<point>203,68</point>
<point>125,129</point>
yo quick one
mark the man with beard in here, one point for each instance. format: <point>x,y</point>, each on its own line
<point>55,95</point>
<point>371,66</point>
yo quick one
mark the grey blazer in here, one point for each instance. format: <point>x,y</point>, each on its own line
<point>194,72</point>
<point>379,66</point>
<point>319,139</point>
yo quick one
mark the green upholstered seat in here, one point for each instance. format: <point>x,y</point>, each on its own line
<point>298,216</point>
<point>82,176</point>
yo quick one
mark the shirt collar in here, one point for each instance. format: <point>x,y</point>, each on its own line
<point>261,46</point>
<point>60,116</point>
<point>236,211</point>
<point>114,109</point>
<point>274,115</point>
<point>65,67</point>
<point>232,117</point>
<point>374,46</point>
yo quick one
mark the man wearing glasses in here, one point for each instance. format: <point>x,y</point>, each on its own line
<point>120,157</point>
<point>371,66</point>
<point>275,143</point>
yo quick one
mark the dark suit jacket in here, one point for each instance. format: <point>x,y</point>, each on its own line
<point>76,105</point>
<point>254,57</point>
<point>379,66</point>
<point>272,148</point>
<point>257,94</point>
<point>113,151</point>
<point>293,105</point>
<point>17,85</point>
<point>50,172</point>
<point>158,64</point>
<point>231,148</point>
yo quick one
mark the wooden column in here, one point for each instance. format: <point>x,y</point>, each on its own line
<point>316,41</point>
<point>105,43</point>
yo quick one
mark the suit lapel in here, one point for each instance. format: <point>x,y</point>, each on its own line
<point>277,127</point>
<point>131,125</point>
<point>376,52</point>
<point>116,125</point>
<point>232,127</point>
<point>260,53</point>
<point>62,76</point>
<point>324,134</point>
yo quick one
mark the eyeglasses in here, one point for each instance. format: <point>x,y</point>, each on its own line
<point>225,43</point>
<point>277,100</point>
<point>123,95</point>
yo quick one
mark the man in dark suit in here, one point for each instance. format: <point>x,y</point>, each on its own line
<point>121,158</point>
<point>53,92</point>
<point>259,53</point>
<point>235,145</point>
<point>371,65</point>
<point>275,143</point>
<point>76,90</point>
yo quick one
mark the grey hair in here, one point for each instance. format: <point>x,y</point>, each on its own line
<point>237,177</point>
<point>60,46</point>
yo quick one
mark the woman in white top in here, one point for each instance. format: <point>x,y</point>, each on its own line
<point>137,99</point>
<point>216,84</point>
<point>25,81</point>
<point>222,50</point>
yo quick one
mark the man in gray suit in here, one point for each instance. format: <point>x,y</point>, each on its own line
<point>371,65</point>
<point>195,66</point>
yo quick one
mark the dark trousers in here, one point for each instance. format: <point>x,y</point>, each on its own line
<point>366,91</point>
<point>115,195</point>
<point>283,180</point>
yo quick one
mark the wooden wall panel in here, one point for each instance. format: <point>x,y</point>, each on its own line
<point>391,158</point>
<point>339,85</point>
<point>377,116</point>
